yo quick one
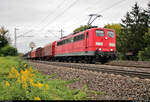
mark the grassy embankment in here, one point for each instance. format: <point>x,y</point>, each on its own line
<point>18,81</point>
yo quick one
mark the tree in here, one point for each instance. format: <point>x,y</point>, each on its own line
<point>82,28</point>
<point>3,39</point>
<point>135,25</point>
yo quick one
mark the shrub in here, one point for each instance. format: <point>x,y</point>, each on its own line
<point>8,51</point>
<point>144,55</point>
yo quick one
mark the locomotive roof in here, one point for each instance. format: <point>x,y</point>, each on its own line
<point>78,33</point>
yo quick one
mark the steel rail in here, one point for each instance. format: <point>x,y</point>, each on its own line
<point>93,67</point>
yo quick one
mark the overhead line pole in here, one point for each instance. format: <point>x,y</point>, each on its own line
<point>15,31</point>
<point>61,31</point>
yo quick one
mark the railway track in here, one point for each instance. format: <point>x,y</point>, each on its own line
<point>100,68</point>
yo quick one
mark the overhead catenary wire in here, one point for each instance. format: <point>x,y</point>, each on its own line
<point>59,15</point>
<point>107,8</point>
<point>25,33</point>
<point>111,6</point>
<point>50,13</point>
<point>29,31</point>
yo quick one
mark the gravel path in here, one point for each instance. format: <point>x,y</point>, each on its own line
<point>114,87</point>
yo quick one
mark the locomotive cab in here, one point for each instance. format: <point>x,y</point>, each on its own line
<point>104,43</point>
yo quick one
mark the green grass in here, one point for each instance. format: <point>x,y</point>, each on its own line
<point>7,62</point>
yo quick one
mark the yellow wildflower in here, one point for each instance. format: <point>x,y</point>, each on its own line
<point>37,98</point>
<point>7,83</point>
<point>14,73</point>
<point>24,85</point>
<point>26,71</point>
<point>31,82</point>
<point>18,80</point>
<point>39,85</point>
<point>24,78</point>
<point>46,86</point>
<point>25,65</point>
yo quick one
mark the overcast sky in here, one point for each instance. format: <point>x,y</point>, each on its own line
<point>43,19</point>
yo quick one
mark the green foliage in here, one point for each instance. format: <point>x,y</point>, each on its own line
<point>5,48</point>
<point>135,25</point>
<point>147,37</point>
<point>133,34</point>
<point>116,27</point>
<point>144,55</point>
<point>3,39</point>
<point>82,28</point>
<point>8,51</point>
<point>122,56</point>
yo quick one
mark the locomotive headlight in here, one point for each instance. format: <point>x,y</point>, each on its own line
<point>111,49</point>
<point>99,43</point>
<point>100,49</point>
<point>112,44</point>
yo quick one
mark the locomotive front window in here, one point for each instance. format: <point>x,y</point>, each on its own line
<point>110,34</point>
<point>99,33</point>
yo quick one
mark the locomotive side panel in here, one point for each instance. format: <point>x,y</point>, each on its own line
<point>78,44</point>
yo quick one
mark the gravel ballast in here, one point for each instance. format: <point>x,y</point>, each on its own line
<point>112,87</point>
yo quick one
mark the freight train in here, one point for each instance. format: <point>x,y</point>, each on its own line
<point>88,46</point>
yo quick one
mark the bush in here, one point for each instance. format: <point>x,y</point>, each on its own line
<point>8,51</point>
<point>3,41</point>
<point>144,55</point>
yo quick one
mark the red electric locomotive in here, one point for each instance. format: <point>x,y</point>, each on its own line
<point>95,44</point>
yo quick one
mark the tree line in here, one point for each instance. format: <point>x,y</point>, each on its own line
<point>133,34</point>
